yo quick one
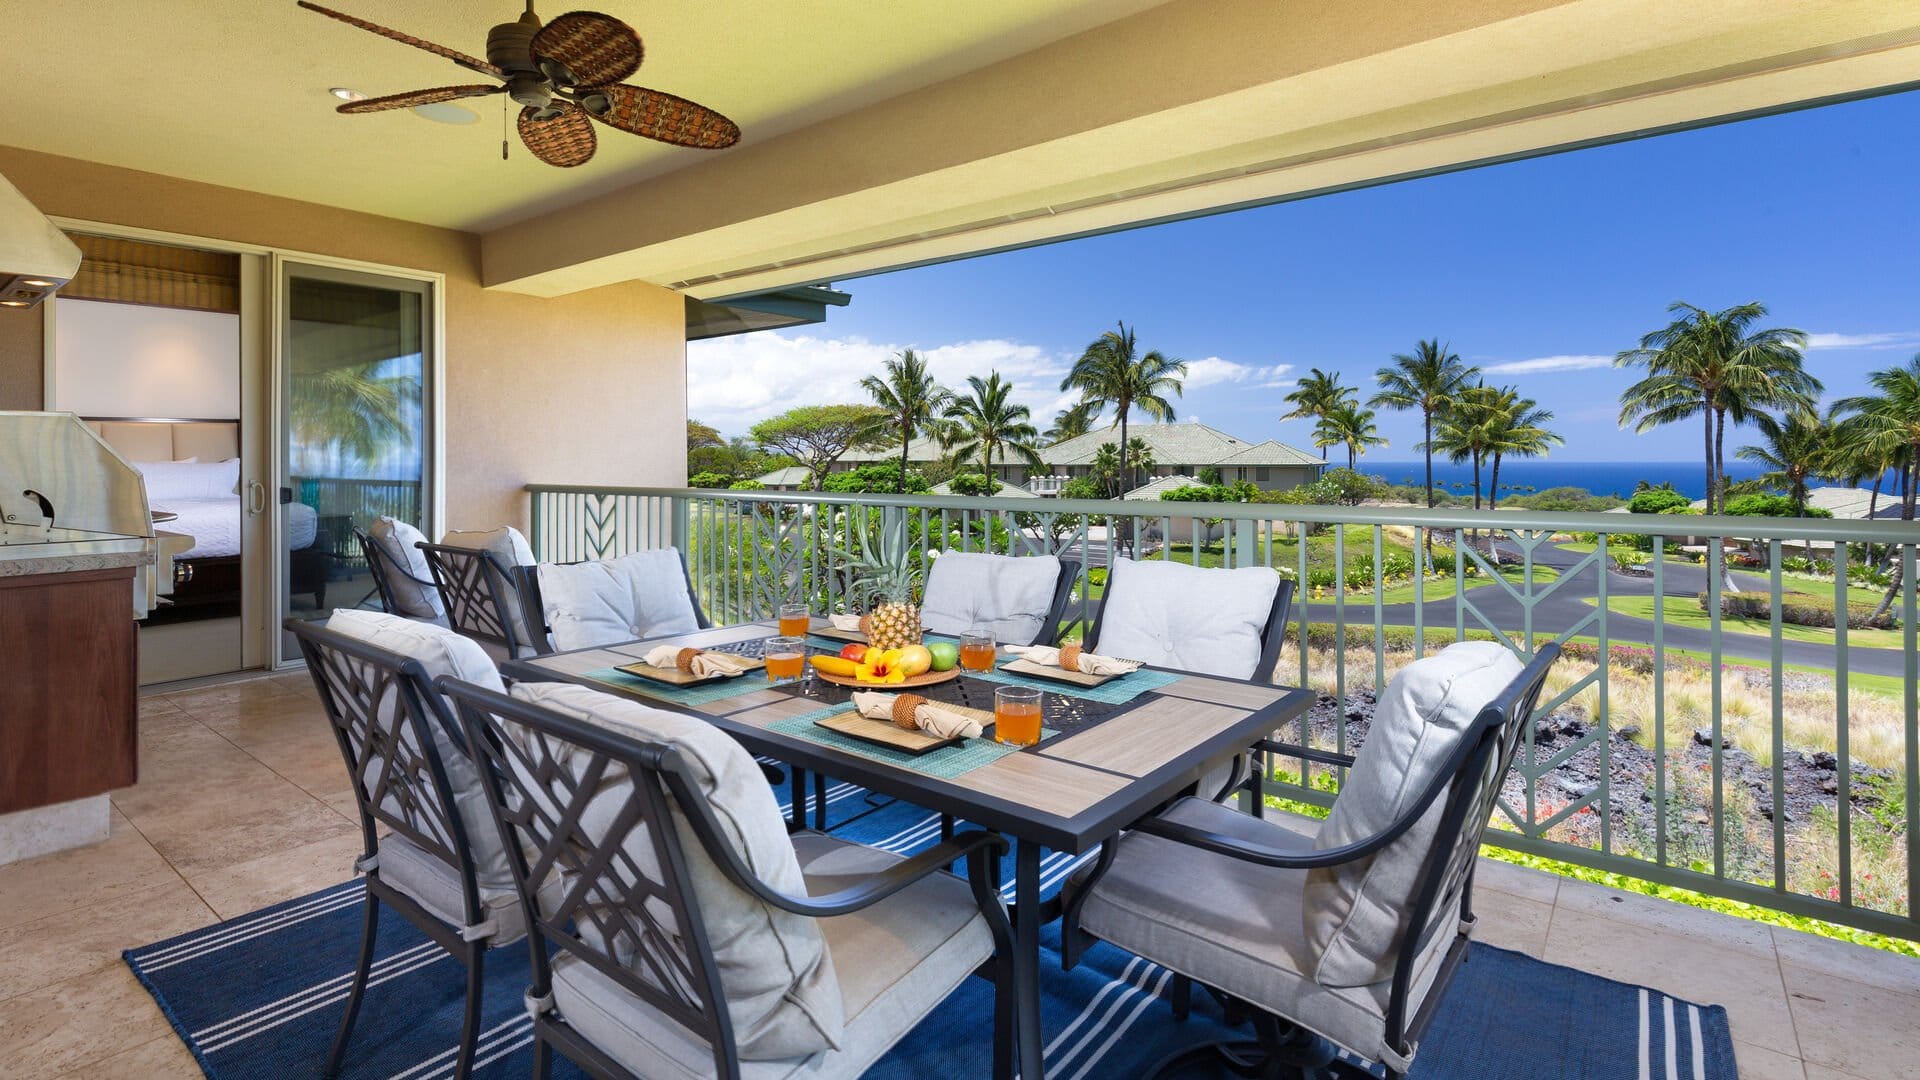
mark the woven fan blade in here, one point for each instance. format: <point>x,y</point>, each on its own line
<point>565,140</point>
<point>662,116</point>
<point>418,97</point>
<point>596,49</point>
<point>454,55</point>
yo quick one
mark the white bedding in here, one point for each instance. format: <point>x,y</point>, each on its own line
<point>214,525</point>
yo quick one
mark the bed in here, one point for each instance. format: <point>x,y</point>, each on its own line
<point>192,472</point>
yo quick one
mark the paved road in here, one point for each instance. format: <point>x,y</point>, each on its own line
<point>1568,604</point>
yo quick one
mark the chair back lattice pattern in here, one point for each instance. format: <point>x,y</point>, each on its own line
<point>384,712</point>
<point>597,811</point>
<point>477,589</point>
<point>376,559</point>
<point>1472,787</point>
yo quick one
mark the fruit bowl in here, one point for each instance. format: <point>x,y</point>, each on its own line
<point>929,678</point>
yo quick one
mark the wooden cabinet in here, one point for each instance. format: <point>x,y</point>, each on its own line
<point>69,703</point>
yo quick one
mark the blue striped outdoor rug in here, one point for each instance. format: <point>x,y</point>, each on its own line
<point>260,997</point>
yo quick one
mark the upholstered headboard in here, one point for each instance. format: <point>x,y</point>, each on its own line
<point>169,440</point>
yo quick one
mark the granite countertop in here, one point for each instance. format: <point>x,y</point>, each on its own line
<point>102,552</point>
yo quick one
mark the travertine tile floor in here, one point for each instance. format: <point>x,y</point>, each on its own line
<point>243,802</point>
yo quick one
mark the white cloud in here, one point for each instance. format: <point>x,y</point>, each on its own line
<point>1863,341</point>
<point>1543,364</point>
<point>1213,371</point>
<point>734,382</point>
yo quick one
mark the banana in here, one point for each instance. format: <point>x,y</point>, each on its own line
<point>832,665</point>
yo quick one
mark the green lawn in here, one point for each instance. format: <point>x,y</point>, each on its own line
<point>1682,611</point>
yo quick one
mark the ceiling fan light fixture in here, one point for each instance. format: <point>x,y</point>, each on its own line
<point>346,93</point>
<point>441,112</point>
<point>595,102</point>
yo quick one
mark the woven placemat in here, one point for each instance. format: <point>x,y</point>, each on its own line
<point>954,761</point>
<point>1114,692</point>
<point>681,695</point>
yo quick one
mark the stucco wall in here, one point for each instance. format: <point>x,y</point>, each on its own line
<point>586,388</point>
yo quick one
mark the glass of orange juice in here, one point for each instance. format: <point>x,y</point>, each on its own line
<point>1016,715</point>
<point>976,652</point>
<point>786,658</point>
<point>794,620</point>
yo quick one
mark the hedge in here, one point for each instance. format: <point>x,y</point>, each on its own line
<point>1797,608</point>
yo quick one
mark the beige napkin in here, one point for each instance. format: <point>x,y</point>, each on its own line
<point>850,623</point>
<point>704,665</point>
<point>1086,663</point>
<point>929,717</point>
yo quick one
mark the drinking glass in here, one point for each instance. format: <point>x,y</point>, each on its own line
<point>976,652</point>
<point>794,620</point>
<point>1016,715</point>
<point>786,658</point>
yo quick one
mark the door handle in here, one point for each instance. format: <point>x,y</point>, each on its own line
<point>256,498</point>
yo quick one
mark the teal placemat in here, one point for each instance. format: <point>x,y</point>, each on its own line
<point>945,764</point>
<point>1114,691</point>
<point>682,695</point>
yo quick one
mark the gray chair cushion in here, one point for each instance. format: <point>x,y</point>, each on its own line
<point>1357,912</point>
<point>635,596</point>
<point>898,960</point>
<point>781,990</point>
<point>1191,618</point>
<point>408,576</point>
<point>512,550</point>
<point>1004,595</point>
<point>1241,932</point>
<point>435,885</point>
<point>440,652</point>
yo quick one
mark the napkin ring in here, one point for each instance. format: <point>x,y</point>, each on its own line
<point>1070,657</point>
<point>904,707</point>
<point>684,659</point>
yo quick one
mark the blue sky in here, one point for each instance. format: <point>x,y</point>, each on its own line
<point>1538,271</point>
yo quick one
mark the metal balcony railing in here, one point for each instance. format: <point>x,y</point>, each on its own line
<point>1699,732</point>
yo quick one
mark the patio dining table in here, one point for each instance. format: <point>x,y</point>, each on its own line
<point>1109,756</point>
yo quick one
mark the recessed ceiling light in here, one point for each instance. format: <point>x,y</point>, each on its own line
<point>13,303</point>
<point>37,283</point>
<point>346,93</point>
<point>441,112</point>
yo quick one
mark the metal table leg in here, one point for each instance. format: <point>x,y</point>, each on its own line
<point>1027,917</point>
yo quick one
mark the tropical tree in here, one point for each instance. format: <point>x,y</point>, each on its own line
<point>1113,372</point>
<point>1719,366</point>
<point>1427,379</point>
<point>1071,423</point>
<point>1317,395</point>
<point>1350,426</point>
<point>1889,423</point>
<point>353,410</point>
<point>1468,429</point>
<point>987,422</point>
<point>1519,430</point>
<point>1795,450</point>
<point>817,435</point>
<point>909,395</point>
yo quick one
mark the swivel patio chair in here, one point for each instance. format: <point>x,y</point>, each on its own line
<point>432,850</point>
<point>1017,599</point>
<point>695,937</point>
<point>579,605</point>
<point>482,600</point>
<point>405,588</point>
<point>1340,935</point>
<point>1204,620</point>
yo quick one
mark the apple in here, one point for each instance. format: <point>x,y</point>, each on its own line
<point>945,655</point>
<point>915,660</point>
<point>855,652</point>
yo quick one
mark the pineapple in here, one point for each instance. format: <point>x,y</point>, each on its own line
<point>884,583</point>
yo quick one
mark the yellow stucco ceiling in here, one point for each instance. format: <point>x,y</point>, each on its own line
<point>234,92</point>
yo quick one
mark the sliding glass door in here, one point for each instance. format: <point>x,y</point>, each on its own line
<point>356,386</point>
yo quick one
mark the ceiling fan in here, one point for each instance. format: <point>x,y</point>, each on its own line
<point>561,73</point>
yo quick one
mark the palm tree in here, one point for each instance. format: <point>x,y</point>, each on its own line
<point>1316,395</point>
<point>910,396</point>
<point>351,410</point>
<point>1716,365</point>
<point>1106,464</point>
<point>1350,426</point>
<point>1428,379</point>
<point>1468,429</point>
<point>1520,430</point>
<point>988,423</point>
<point>1071,423</point>
<point>1112,372</point>
<point>1800,448</point>
<point>1889,422</point>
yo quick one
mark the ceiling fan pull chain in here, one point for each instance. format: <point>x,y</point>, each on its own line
<point>506,127</point>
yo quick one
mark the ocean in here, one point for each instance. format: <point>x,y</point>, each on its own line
<point>1599,477</point>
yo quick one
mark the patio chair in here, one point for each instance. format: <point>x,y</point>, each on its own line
<point>1018,599</point>
<point>1342,934</point>
<point>401,576</point>
<point>432,850</point>
<point>1205,620</point>
<point>481,598</point>
<point>580,605</point>
<point>696,938</point>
